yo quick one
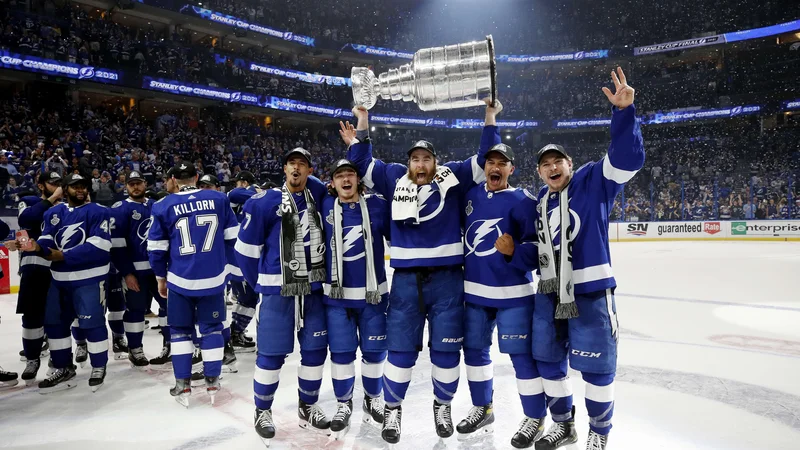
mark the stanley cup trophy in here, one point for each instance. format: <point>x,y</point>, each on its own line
<point>454,76</point>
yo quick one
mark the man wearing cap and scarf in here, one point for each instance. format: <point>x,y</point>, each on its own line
<point>246,296</point>
<point>281,252</point>
<point>427,255</point>
<point>499,292</point>
<point>575,314</point>
<point>35,276</point>
<point>76,240</point>
<point>356,292</point>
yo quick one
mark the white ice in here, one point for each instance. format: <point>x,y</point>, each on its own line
<point>709,359</point>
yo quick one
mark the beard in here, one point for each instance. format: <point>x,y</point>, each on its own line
<point>77,200</point>
<point>136,197</point>
<point>428,178</point>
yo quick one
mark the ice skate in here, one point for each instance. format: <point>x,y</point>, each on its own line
<point>596,441</point>
<point>138,359</point>
<point>340,424</point>
<point>212,387</point>
<point>559,435</point>
<point>97,378</point>
<point>182,391</point>
<point>529,431</point>
<point>312,418</point>
<point>479,422</point>
<point>81,354</point>
<point>392,419</point>
<point>442,419</point>
<point>229,360</point>
<point>45,352</point>
<point>164,360</point>
<point>373,411</point>
<point>60,380</point>
<point>120,348</point>
<point>8,379</point>
<point>30,372</point>
<point>240,344</point>
<point>264,425</point>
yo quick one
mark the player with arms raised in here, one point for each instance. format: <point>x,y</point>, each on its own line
<point>187,240</point>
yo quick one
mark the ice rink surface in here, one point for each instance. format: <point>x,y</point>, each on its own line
<point>709,359</point>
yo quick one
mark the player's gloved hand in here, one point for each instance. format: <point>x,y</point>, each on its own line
<point>505,244</point>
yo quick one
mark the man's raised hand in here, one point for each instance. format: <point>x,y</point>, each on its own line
<point>623,97</point>
<point>348,132</point>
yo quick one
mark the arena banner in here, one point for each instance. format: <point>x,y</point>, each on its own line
<point>791,104</point>
<point>194,90</point>
<point>298,75</point>
<point>681,116</point>
<point>226,19</point>
<point>76,71</point>
<point>775,228</point>
<point>679,45</point>
<point>379,51</point>
<point>756,33</point>
<point>557,57</point>
<point>778,230</point>
<point>581,123</point>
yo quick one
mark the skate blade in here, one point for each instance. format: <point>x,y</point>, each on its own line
<point>29,383</point>
<point>477,434</point>
<point>230,368</point>
<point>162,367</point>
<point>120,356</point>
<point>244,349</point>
<point>69,384</point>
<point>82,364</point>
<point>8,384</point>
<point>339,435</point>
<point>96,388</point>
<point>266,441</point>
<point>367,419</point>
<point>141,368</point>
<point>183,400</point>
<point>307,426</point>
<point>212,393</point>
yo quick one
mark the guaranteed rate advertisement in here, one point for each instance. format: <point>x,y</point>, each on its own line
<point>75,71</point>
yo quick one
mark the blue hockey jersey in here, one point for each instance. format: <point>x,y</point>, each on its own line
<point>489,278</point>
<point>437,239</point>
<point>591,196</point>
<point>354,268</point>
<point>238,196</point>
<point>130,224</point>
<point>187,239</point>
<point>31,212</point>
<point>82,234</point>
<point>258,250</point>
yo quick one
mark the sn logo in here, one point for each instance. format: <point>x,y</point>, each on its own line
<point>586,354</point>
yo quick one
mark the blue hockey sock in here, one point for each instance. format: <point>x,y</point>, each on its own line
<point>134,328</point>
<point>479,375</point>
<point>211,344</point>
<point>60,345</point>
<point>162,318</point>
<point>97,345</point>
<point>372,372</point>
<point>182,350</point>
<point>32,336</point>
<point>397,376</point>
<point>226,329</point>
<point>445,374</point>
<point>116,314</point>
<point>529,386</point>
<point>599,401</point>
<point>309,374</point>
<point>557,389</point>
<point>77,334</point>
<point>242,316</point>
<point>265,379</point>
<point>343,373</point>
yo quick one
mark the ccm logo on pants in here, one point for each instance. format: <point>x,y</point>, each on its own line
<point>514,336</point>
<point>320,333</point>
<point>376,338</point>
<point>586,354</point>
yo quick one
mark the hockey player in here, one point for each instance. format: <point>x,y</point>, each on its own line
<point>246,296</point>
<point>35,276</point>
<point>575,314</point>
<point>281,251</point>
<point>498,293</point>
<point>427,255</point>
<point>76,240</point>
<point>188,235</point>
<point>130,224</point>
<point>355,291</point>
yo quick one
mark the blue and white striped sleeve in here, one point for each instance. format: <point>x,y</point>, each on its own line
<point>158,243</point>
<point>252,237</point>
<point>625,155</point>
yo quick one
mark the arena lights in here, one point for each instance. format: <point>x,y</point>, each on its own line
<point>61,68</point>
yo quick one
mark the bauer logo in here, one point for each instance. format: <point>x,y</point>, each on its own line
<point>637,229</point>
<point>712,227</point>
<point>738,228</point>
<point>86,72</point>
<point>452,340</point>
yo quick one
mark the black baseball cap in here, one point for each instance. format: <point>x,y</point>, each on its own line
<point>50,177</point>
<point>75,178</point>
<point>246,176</point>
<point>423,144</point>
<point>298,151</point>
<point>550,148</point>
<point>208,179</point>
<point>343,164</point>
<point>504,150</point>
<point>183,170</point>
<point>135,176</point>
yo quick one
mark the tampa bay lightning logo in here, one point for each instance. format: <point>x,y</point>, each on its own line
<point>144,229</point>
<point>86,72</point>
<point>481,236</point>
<point>70,236</point>
<point>351,237</point>
<point>337,112</point>
<point>579,56</point>
<point>430,203</point>
<point>428,122</point>
<point>287,35</point>
<point>304,225</point>
<point>520,124</point>
<point>236,97</point>
<point>736,110</point>
<point>555,222</point>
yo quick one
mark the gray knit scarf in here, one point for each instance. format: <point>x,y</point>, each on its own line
<point>558,281</point>
<point>296,277</point>
<point>373,297</point>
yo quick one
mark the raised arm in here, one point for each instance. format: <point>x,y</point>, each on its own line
<point>375,173</point>
<point>470,171</point>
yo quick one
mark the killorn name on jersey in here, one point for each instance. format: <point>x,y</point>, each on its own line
<point>188,208</point>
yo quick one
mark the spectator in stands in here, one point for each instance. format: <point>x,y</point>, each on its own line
<point>105,194</point>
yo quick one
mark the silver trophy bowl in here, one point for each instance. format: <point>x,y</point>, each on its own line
<point>449,77</point>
